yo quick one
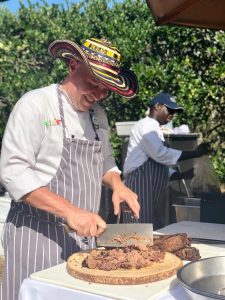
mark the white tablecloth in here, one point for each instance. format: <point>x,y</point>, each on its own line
<point>55,283</point>
<point>37,290</point>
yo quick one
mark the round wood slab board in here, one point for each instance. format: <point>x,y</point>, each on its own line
<point>157,271</point>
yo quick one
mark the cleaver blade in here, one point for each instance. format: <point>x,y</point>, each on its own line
<point>123,235</point>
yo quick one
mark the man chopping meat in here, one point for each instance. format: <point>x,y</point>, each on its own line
<point>55,156</point>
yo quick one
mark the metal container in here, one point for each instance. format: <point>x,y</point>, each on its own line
<point>204,279</point>
<point>187,209</point>
<point>4,209</point>
<point>124,128</point>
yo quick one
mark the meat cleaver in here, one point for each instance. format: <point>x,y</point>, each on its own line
<point>122,235</point>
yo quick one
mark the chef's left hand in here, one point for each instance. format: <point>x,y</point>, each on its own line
<point>123,194</point>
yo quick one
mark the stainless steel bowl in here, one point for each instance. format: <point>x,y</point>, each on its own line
<point>204,279</point>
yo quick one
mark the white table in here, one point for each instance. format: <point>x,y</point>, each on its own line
<point>55,283</point>
<point>36,289</point>
<point>4,209</point>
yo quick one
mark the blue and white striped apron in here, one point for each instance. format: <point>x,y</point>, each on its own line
<point>148,181</point>
<point>33,240</point>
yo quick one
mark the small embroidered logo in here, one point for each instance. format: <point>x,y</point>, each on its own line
<point>172,99</point>
<point>54,122</point>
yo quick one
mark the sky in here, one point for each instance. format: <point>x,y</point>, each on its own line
<point>13,5</point>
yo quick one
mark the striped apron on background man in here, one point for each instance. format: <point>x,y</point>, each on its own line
<point>34,240</point>
<point>148,181</point>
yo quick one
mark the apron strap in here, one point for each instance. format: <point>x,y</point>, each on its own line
<point>59,93</point>
<point>94,122</point>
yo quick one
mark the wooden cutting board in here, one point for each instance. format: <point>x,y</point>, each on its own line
<point>157,271</point>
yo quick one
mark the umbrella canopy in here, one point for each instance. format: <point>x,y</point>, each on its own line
<point>191,13</point>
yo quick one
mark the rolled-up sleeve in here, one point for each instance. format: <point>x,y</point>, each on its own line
<point>154,148</point>
<point>22,139</point>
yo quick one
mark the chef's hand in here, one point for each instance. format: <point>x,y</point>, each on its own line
<point>189,174</point>
<point>202,149</point>
<point>123,194</point>
<point>182,175</point>
<point>85,223</point>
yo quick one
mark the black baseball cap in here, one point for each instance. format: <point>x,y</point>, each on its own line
<point>167,100</point>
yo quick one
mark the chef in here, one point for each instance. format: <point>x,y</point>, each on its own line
<point>146,166</point>
<point>55,157</point>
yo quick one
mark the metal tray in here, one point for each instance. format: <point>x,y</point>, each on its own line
<point>187,209</point>
<point>205,277</point>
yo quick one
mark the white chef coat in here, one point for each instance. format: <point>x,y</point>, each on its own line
<point>146,140</point>
<point>33,140</point>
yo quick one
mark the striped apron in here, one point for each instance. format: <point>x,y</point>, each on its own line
<point>33,239</point>
<point>148,181</point>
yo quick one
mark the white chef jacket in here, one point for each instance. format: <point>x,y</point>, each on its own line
<point>33,140</point>
<point>146,140</point>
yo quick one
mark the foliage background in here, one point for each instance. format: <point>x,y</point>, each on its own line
<point>189,63</point>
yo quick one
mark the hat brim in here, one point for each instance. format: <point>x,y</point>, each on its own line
<point>174,107</point>
<point>125,83</point>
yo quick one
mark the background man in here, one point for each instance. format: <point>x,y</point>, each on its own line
<point>146,166</point>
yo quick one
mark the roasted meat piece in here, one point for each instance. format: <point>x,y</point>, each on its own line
<point>172,242</point>
<point>188,253</point>
<point>179,244</point>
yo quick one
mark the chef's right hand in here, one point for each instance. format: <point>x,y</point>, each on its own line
<point>85,223</point>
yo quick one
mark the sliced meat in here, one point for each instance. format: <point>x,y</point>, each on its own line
<point>179,244</point>
<point>125,258</point>
<point>188,253</point>
<point>172,242</point>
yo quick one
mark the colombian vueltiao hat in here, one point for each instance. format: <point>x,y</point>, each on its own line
<point>103,60</point>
